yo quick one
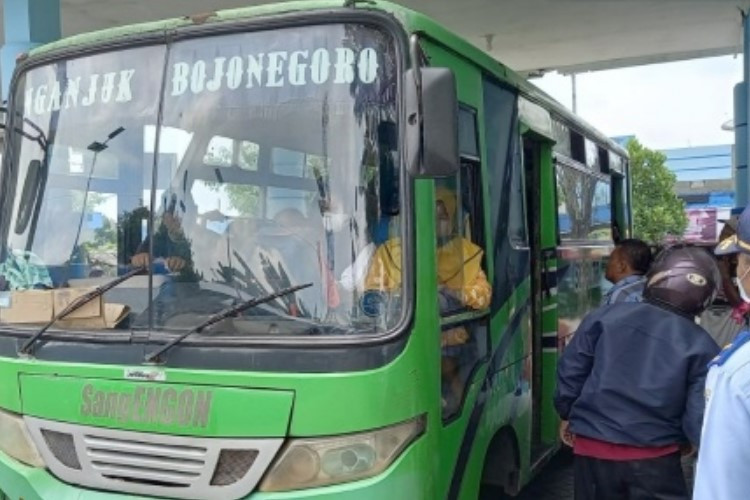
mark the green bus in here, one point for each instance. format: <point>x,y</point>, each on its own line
<point>313,249</point>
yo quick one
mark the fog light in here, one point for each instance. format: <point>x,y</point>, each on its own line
<point>16,442</point>
<point>302,463</point>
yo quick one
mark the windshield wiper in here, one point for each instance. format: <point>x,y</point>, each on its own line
<point>221,315</point>
<point>77,304</point>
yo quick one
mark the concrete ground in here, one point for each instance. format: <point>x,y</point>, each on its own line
<point>554,482</point>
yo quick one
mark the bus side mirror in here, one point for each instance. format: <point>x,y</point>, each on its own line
<point>29,195</point>
<point>431,122</point>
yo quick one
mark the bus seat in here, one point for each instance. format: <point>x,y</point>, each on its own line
<point>381,230</point>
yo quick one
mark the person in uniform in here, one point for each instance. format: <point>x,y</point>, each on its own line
<point>727,316</point>
<point>725,451</point>
<point>630,383</point>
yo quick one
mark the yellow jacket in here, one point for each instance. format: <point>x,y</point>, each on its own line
<point>459,270</point>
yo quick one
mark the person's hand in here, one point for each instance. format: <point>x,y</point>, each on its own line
<point>175,264</point>
<point>139,260</point>
<point>454,336</point>
<point>567,437</point>
<point>688,450</point>
<point>739,312</point>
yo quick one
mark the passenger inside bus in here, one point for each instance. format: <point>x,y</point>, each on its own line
<point>170,242</point>
<point>461,283</point>
<point>22,270</point>
<point>353,277</point>
<point>300,243</point>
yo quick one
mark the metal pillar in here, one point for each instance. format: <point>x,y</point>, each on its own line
<point>741,130</point>
<point>27,24</point>
<point>575,92</point>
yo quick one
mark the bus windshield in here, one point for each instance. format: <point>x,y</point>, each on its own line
<point>230,166</point>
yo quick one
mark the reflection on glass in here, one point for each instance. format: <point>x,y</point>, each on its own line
<point>88,205</point>
<point>269,163</point>
<point>584,206</point>
<point>592,155</point>
<point>462,348</point>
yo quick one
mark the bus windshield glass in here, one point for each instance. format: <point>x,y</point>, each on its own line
<point>229,167</point>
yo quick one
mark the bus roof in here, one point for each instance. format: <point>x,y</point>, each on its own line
<point>412,21</point>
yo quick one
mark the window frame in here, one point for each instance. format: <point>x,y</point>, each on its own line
<point>468,162</point>
<point>468,111</point>
<point>374,19</point>
<point>519,168</point>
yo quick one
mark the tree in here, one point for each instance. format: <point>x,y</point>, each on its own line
<point>657,211</point>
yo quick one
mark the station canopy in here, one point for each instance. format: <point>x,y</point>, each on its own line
<point>530,36</point>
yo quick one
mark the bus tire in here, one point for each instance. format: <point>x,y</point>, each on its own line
<point>501,464</point>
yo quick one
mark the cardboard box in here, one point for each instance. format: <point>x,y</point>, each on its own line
<point>28,306</point>
<point>62,297</point>
<point>113,314</point>
<point>40,306</point>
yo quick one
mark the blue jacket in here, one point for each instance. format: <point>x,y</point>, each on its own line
<point>634,374</point>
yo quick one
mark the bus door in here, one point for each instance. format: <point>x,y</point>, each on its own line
<point>540,214</point>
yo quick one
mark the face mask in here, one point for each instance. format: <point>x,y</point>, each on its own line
<point>217,226</point>
<point>444,228</point>
<point>334,221</point>
<point>743,293</point>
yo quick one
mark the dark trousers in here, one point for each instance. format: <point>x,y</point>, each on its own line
<point>652,479</point>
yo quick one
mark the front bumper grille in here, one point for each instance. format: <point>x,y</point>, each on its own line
<point>152,464</point>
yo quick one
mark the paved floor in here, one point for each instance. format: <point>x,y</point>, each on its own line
<point>554,482</point>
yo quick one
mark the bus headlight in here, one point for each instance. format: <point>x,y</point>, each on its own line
<point>16,442</point>
<point>306,463</point>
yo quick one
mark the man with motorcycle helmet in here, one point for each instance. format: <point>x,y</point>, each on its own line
<point>630,383</point>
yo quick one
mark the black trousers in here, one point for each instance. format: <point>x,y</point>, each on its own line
<point>652,479</point>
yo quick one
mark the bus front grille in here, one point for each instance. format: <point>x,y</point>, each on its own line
<point>176,466</point>
<point>152,464</point>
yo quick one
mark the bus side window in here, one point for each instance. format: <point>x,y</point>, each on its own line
<point>462,280</point>
<point>461,269</point>
<point>471,203</point>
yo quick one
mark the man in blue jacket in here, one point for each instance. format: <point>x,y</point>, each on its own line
<point>630,383</point>
<point>626,270</point>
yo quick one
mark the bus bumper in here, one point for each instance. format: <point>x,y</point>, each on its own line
<point>408,478</point>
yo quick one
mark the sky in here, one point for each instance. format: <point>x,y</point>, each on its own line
<point>668,105</point>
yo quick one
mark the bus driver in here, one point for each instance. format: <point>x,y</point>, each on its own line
<point>461,280</point>
<point>461,283</point>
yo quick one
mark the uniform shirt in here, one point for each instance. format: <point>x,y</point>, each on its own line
<point>725,450</point>
<point>629,289</point>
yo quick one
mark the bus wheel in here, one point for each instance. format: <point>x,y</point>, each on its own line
<point>500,477</point>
